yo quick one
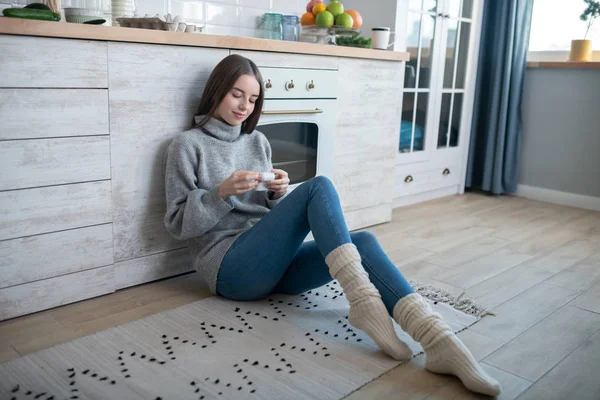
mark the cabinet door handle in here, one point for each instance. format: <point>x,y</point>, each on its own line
<point>408,179</point>
<point>446,172</point>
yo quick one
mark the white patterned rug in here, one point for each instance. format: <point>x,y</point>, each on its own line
<point>285,347</point>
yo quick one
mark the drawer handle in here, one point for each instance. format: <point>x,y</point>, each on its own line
<point>408,179</point>
<point>310,85</point>
<point>268,85</point>
<point>290,85</point>
<point>446,172</point>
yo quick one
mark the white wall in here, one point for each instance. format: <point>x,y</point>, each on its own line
<point>561,134</point>
<point>375,13</point>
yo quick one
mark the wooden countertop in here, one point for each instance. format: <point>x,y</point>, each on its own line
<point>563,64</point>
<point>17,26</point>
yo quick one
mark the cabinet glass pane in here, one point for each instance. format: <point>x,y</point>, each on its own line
<point>444,119</point>
<point>450,120</point>
<point>456,116</point>
<point>413,125</point>
<point>455,6</point>
<point>450,53</point>
<point>427,32</point>
<point>463,54</point>
<point>456,44</point>
<point>420,30</point>
<point>424,5</point>
<point>413,30</point>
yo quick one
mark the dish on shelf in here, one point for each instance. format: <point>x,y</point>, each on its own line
<point>159,23</point>
<point>81,15</point>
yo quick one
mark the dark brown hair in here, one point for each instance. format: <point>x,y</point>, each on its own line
<point>220,82</point>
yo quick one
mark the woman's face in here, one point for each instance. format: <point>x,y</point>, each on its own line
<point>238,103</point>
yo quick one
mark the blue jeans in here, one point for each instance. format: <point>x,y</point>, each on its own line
<point>271,257</point>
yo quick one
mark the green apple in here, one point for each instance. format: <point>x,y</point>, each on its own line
<point>325,19</point>
<point>335,8</point>
<point>344,20</point>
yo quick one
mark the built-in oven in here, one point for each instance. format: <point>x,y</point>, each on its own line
<point>299,120</point>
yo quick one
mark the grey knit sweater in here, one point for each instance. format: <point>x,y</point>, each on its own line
<point>197,161</point>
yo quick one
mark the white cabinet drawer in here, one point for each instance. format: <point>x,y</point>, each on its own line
<point>48,293</point>
<point>29,212</point>
<point>45,162</point>
<point>423,177</point>
<point>37,113</point>
<point>299,83</point>
<point>38,257</point>
<point>40,62</point>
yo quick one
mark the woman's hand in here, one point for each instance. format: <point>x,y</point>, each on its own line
<point>239,182</point>
<point>280,184</point>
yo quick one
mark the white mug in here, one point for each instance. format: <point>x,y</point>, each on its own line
<point>380,38</point>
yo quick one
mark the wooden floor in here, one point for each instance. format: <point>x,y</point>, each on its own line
<point>536,265</point>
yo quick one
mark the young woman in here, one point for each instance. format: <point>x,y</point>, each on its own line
<point>248,244</point>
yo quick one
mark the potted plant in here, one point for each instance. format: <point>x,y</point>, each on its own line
<point>581,50</point>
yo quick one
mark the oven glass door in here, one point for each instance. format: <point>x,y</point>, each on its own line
<point>301,133</point>
<point>294,147</point>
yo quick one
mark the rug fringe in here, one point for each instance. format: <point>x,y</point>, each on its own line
<point>461,303</point>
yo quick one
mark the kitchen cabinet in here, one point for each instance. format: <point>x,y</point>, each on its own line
<point>367,121</point>
<point>81,150</point>
<point>56,236</point>
<point>443,39</point>
<point>32,62</point>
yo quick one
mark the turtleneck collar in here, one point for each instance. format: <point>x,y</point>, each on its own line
<point>219,129</point>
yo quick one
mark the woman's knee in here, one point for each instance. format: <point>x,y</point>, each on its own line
<point>321,181</point>
<point>363,240</point>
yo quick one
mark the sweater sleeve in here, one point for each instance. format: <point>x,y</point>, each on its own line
<point>270,203</point>
<point>191,210</point>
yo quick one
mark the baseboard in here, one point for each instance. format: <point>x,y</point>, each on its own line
<point>557,197</point>
<point>425,196</point>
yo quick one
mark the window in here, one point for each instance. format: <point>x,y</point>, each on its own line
<point>556,22</point>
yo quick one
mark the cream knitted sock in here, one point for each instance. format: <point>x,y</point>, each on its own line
<point>444,352</point>
<point>367,311</point>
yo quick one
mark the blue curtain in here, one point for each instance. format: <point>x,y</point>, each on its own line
<point>495,146</point>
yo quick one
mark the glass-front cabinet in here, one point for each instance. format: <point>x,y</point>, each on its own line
<point>438,35</point>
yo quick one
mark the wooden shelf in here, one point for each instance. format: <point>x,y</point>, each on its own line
<point>16,26</point>
<point>563,64</point>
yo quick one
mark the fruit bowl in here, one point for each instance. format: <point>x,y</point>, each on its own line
<point>332,30</point>
<point>325,35</point>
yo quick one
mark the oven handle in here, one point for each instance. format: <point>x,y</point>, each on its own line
<point>283,112</point>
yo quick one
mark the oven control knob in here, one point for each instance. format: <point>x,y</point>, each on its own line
<point>268,85</point>
<point>310,85</point>
<point>290,85</point>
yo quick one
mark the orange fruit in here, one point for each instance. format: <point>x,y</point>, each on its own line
<point>356,17</point>
<point>307,19</point>
<point>319,8</point>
